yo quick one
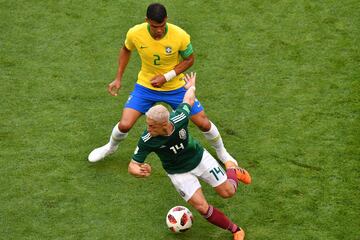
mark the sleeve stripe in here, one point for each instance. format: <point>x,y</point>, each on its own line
<point>181,115</point>
<point>178,116</point>
<point>179,119</point>
<point>146,137</point>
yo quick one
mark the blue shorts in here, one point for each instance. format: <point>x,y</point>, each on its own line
<point>142,99</point>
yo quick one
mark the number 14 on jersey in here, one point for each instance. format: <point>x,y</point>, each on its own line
<point>176,148</point>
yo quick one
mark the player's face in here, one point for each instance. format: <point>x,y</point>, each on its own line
<point>155,128</point>
<point>157,30</point>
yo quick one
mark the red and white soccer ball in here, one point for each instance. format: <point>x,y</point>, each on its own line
<point>179,219</point>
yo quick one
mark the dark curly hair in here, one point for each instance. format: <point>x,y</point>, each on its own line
<point>156,12</point>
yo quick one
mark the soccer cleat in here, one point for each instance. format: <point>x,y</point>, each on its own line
<point>100,153</point>
<point>243,175</point>
<point>239,235</point>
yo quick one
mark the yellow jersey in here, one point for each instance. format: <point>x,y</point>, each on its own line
<point>159,56</point>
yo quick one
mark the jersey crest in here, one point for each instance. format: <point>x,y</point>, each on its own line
<point>182,134</point>
<point>168,50</point>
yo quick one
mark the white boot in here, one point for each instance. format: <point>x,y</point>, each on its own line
<point>100,153</point>
<point>115,138</point>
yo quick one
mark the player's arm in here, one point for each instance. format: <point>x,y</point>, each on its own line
<point>124,57</point>
<point>189,96</point>
<point>185,64</point>
<point>159,80</point>
<point>188,100</point>
<point>139,169</point>
<point>137,166</point>
<point>187,55</point>
<point>188,60</point>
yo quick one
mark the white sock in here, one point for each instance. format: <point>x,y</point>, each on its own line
<point>214,137</point>
<point>116,136</point>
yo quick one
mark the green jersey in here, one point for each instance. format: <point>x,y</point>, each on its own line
<point>178,152</point>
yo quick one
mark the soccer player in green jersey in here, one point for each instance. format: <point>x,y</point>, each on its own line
<point>185,160</point>
<point>166,52</point>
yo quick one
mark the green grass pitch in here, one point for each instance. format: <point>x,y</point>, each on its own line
<point>279,78</point>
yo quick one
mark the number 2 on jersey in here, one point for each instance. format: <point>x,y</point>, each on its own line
<point>176,148</point>
<point>156,59</point>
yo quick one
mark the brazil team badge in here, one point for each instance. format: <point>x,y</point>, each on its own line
<point>168,50</point>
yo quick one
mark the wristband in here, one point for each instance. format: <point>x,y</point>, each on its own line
<point>192,87</point>
<point>170,75</point>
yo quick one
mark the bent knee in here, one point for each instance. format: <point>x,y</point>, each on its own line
<point>124,126</point>
<point>201,121</point>
<point>227,194</point>
<point>226,190</point>
<point>205,126</point>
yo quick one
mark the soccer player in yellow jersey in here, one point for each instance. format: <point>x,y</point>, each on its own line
<point>160,45</point>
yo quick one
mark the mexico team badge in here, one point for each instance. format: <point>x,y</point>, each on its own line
<point>182,134</point>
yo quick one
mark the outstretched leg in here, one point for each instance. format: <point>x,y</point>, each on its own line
<point>209,170</point>
<point>212,134</point>
<point>119,133</point>
<point>214,215</point>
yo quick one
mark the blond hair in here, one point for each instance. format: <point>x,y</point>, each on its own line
<point>158,113</point>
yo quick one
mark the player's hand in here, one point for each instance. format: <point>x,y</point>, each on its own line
<point>145,170</point>
<point>114,87</point>
<point>190,80</point>
<point>158,81</point>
